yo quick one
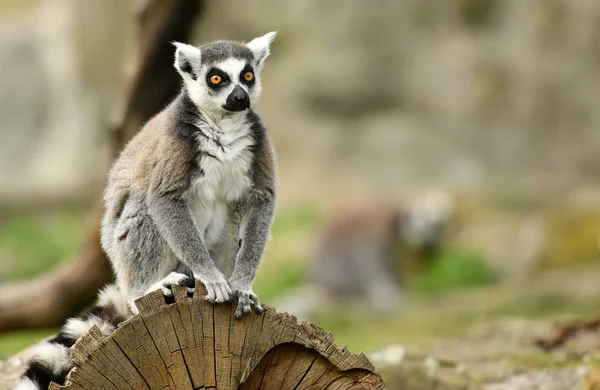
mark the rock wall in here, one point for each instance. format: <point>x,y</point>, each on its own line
<point>467,93</point>
<point>60,72</point>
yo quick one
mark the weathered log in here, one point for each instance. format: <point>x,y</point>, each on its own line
<point>192,344</point>
<point>565,332</point>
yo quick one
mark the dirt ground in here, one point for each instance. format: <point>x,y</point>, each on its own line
<point>500,351</point>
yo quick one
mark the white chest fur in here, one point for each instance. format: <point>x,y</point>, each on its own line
<point>225,160</point>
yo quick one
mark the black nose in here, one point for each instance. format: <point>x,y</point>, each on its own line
<point>237,100</point>
<point>240,98</point>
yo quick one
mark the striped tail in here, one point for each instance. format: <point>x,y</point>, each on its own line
<point>52,360</point>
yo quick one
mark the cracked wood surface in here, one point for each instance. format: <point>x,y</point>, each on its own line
<point>192,344</point>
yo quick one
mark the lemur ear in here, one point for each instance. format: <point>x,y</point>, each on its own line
<point>261,47</point>
<point>187,60</point>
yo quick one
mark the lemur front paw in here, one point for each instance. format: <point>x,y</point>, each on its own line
<point>217,288</point>
<point>174,278</point>
<point>246,299</point>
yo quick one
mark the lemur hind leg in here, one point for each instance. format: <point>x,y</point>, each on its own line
<point>181,276</point>
<point>142,259</point>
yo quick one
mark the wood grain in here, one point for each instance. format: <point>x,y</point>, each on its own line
<point>192,344</point>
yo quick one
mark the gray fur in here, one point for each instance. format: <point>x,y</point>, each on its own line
<point>219,51</point>
<point>196,181</point>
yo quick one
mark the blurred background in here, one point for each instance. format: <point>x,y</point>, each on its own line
<point>439,174</point>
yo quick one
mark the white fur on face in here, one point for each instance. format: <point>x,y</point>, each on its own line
<point>425,216</point>
<point>188,64</point>
<point>190,55</point>
<point>211,101</point>
<point>261,48</point>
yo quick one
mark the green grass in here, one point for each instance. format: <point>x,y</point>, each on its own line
<point>32,242</point>
<point>279,279</point>
<point>446,300</point>
<point>12,343</point>
<point>455,268</point>
<point>368,332</point>
<point>300,217</point>
<point>430,317</point>
<point>286,264</point>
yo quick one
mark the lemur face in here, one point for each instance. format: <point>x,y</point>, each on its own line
<point>422,223</point>
<point>230,84</point>
<point>223,77</point>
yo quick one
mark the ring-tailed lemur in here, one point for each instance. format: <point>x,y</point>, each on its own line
<point>366,254</point>
<point>52,359</point>
<point>191,196</point>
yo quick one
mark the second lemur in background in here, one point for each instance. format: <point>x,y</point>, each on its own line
<point>193,194</point>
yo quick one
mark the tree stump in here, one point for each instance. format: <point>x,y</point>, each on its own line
<point>192,344</point>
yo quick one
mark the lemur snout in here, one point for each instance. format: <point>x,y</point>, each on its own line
<point>237,100</point>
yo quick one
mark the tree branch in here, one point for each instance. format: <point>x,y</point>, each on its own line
<point>49,300</point>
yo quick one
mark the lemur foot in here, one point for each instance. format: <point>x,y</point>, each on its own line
<point>246,299</point>
<point>217,288</point>
<point>174,278</point>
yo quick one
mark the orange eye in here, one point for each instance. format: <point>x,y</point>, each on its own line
<point>248,76</point>
<point>216,79</point>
